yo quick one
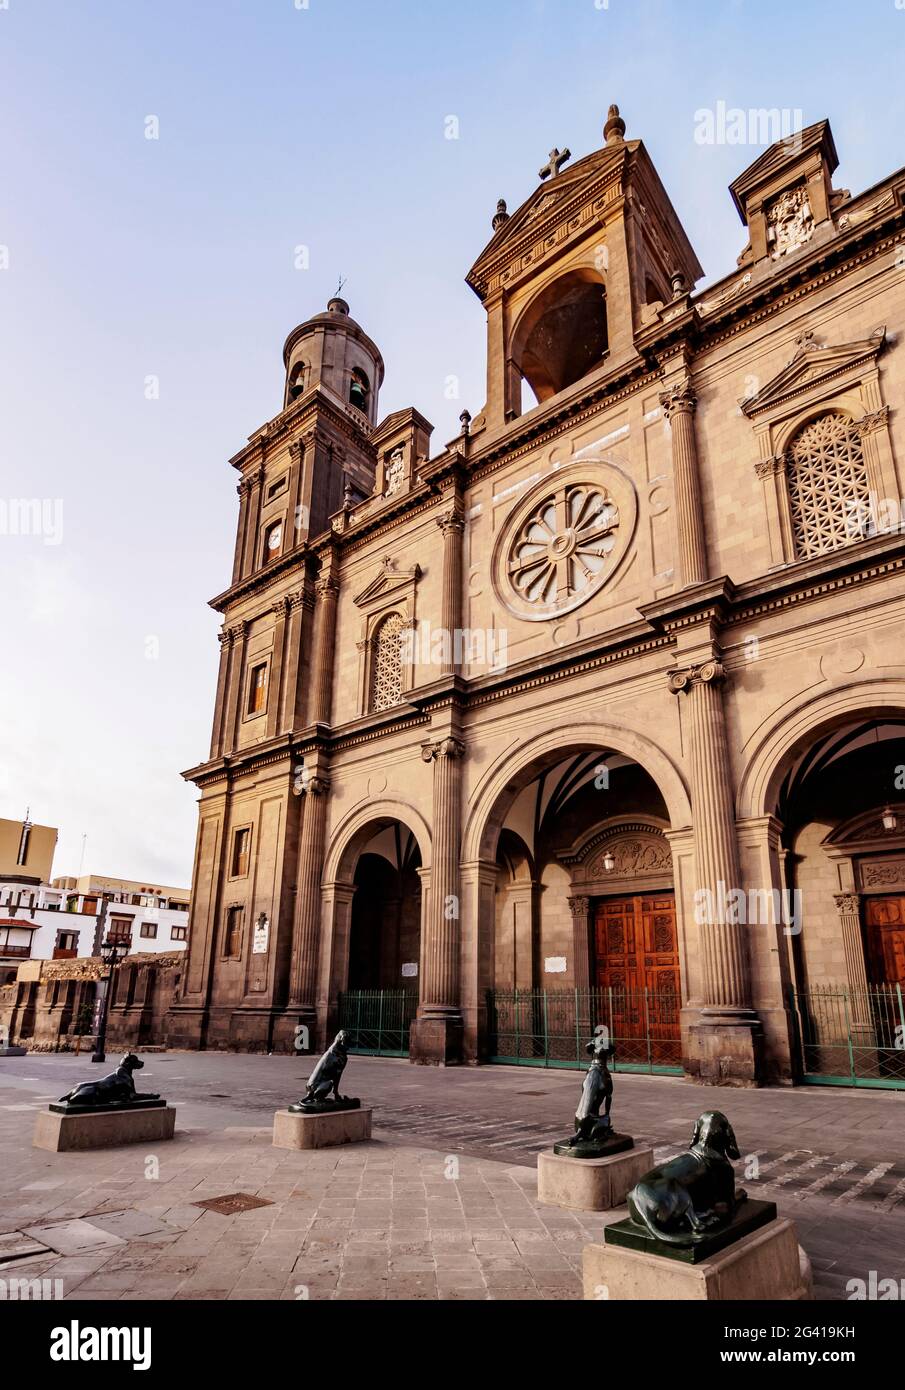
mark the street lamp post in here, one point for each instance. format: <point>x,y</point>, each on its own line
<point>109,951</point>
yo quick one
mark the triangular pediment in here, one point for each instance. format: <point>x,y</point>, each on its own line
<point>813,362</point>
<point>553,204</point>
<point>387,582</point>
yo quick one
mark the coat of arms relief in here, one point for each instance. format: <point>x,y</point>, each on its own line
<point>790,223</point>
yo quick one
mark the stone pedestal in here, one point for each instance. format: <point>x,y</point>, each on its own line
<point>768,1264</point>
<point>725,1054</point>
<point>292,1131</point>
<point>436,1041</point>
<point>106,1129</point>
<point>590,1184</point>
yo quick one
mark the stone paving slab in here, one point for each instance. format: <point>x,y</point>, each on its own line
<point>442,1206</point>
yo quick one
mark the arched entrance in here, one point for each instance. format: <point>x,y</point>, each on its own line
<point>837,795</point>
<point>374,900</point>
<point>578,927</point>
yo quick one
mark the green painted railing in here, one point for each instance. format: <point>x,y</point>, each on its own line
<point>851,1037</point>
<point>378,1020</point>
<point>551,1027</point>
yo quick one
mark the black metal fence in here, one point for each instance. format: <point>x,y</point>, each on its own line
<point>550,1028</point>
<point>378,1020</point>
<point>851,1037</point>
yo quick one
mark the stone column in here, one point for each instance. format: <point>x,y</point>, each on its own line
<point>848,905</point>
<point>254,483</point>
<point>241,529</point>
<point>326,590</point>
<point>436,1035</point>
<point>333,967</point>
<point>225,639</point>
<point>275,694</point>
<point>581,941</point>
<point>233,712</point>
<point>289,695</point>
<point>452,524</point>
<point>313,788</point>
<point>726,1047</point>
<point>678,407</point>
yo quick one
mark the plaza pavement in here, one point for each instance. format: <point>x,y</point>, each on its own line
<point>442,1204</point>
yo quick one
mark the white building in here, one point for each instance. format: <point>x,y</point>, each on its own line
<point>69,918</point>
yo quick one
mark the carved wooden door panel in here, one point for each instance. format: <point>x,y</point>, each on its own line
<point>884,919</point>
<point>636,951</point>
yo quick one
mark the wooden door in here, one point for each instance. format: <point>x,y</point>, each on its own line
<point>884,920</point>
<point>636,960</point>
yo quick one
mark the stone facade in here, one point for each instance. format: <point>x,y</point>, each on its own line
<point>564,686</point>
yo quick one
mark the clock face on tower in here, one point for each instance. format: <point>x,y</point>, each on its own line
<point>565,541</point>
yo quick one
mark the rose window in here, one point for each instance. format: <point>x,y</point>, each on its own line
<point>561,549</point>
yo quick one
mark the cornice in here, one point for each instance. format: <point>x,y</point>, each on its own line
<point>806,580</point>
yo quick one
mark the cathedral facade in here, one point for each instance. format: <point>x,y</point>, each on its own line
<point>596,715</point>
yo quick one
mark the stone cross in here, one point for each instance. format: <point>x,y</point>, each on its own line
<point>552,167</point>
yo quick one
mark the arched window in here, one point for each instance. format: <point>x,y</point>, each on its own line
<point>829,490</point>
<point>359,390</point>
<point>385,685</point>
<point>297,381</point>
<point>563,334</point>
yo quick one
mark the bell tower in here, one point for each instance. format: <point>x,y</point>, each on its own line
<point>332,351</point>
<point>570,280</point>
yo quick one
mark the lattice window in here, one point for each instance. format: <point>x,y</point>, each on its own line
<point>386,664</point>
<point>828,485</point>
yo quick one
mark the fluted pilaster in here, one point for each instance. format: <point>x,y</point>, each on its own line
<point>725,964</point>
<point>452,524</point>
<point>440,952</point>
<point>313,790</point>
<point>326,591</point>
<point>678,405</point>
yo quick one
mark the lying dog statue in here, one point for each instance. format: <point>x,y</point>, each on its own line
<point>116,1089</point>
<point>694,1193</point>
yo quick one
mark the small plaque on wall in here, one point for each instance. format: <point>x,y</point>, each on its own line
<point>555,965</point>
<point>409,969</point>
<point>261,937</point>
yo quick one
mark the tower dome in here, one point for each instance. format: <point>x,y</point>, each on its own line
<point>332,350</point>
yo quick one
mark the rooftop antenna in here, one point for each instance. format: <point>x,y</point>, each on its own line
<point>342,281</point>
<point>82,859</point>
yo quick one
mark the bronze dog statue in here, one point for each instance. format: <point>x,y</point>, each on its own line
<point>596,1090</point>
<point>683,1200</point>
<point>116,1089</point>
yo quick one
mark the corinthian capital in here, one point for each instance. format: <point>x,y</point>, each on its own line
<point>708,673</point>
<point>308,783</point>
<point>325,587</point>
<point>678,399</point>
<point>452,520</point>
<point>443,748</point>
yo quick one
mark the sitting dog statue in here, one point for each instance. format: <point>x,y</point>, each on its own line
<point>683,1200</point>
<point>596,1090</point>
<point>326,1077</point>
<point>116,1089</point>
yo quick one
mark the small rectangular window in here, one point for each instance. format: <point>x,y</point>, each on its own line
<point>119,929</point>
<point>277,487</point>
<point>232,948</point>
<point>257,689</point>
<point>241,846</point>
<point>149,930</point>
<point>178,933</point>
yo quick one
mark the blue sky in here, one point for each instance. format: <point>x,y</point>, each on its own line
<point>130,258</point>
